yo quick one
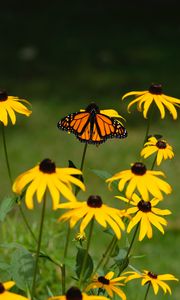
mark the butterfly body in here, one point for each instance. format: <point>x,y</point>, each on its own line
<point>92,127</point>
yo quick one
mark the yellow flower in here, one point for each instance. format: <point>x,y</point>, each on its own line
<point>162,149</point>
<point>93,208</point>
<point>5,295</point>
<point>11,104</point>
<point>75,294</point>
<point>155,281</point>
<point>155,94</point>
<point>47,175</point>
<point>145,214</point>
<point>108,283</point>
<point>80,236</point>
<point>145,181</point>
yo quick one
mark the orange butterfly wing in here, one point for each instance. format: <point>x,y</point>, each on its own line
<point>92,129</point>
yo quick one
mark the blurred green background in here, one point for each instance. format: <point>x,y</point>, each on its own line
<point>61,55</point>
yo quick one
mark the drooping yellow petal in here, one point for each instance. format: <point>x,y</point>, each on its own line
<point>119,292</point>
<point>158,102</point>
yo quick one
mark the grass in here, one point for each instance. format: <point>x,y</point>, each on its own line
<point>82,55</point>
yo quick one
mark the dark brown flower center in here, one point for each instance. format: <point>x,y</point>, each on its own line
<point>94,201</point>
<point>3,95</point>
<point>47,166</point>
<point>138,168</point>
<point>103,280</point>
<point>156,89</point>
<point>161,144</point>
<point>74,294</point>
<point>144,206</point>
<point>152,275</point>
<point>2,289</point>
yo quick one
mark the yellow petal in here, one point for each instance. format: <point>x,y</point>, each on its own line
<point>8,284</point>
<point>160,106</point>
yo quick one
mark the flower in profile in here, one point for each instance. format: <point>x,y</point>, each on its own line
<point>93,208</point>
<point>146,213</point>
<point>47,176</point>
<point>108,283</point>
<point>75,294</point>
<point>162,149</point>
<point>145,181</point>
<point>80,237</point>
<point>6,295</point>
<point>154,94</point>
<point>154,280</point>
<point>11,104</point>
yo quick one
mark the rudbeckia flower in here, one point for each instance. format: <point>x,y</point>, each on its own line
<point>11,104</point>
<point>93,208</point>
<point>145,181</point>
<point>146,214</point>
<point>108,283</point>
<point>162,149</point>
<point>47,176</point>
<point>75,294</point>
<point>154,94</point>
<point>6,295</point>
<point>155,281</point>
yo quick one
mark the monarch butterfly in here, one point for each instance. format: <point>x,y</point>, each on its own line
<point>92,127</point>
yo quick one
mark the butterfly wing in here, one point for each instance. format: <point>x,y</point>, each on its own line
<point>92,128</point>
<point>75,122</point>
<point>104,127</point>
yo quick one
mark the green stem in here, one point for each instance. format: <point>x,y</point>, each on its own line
<point>83,157</point>
<point>26,222</point>
<point>147,291</point>
<point>38,247</point>
<point>11,181</point>
<point>132,241</point>
<point>63,269</point>
<point>6,154</point>
<point>105,254</point>
<point>110,251</point>
<point>86,253</point>
<point>154,161</point>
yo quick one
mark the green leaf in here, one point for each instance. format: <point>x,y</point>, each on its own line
<point>105,175</point>
<point>121,260</point>
<point>5,271</point>
<point>6,206</point>
<point>79,262</point>
<point>22,266</point>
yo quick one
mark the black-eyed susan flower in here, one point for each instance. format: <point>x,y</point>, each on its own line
<point>11,104</point>
<point>75,294</point>
<point>155,281</point>
<point>146,213</point>
<point>159,146</point>
<point>93,208</point>
<point>154,94</point>
<point>6,295</point>
<point>47,176</point>
<point>145,181</point>
<point>93,126</point>
<point>108,283</point>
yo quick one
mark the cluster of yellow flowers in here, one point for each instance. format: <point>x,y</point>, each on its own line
<point>143,188</point>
